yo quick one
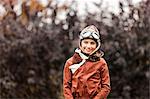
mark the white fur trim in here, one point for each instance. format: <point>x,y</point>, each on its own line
<point>74,67</point>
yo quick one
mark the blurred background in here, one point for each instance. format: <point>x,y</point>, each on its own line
<point>38,36</point>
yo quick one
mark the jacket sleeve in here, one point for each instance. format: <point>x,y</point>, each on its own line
<point>67,82</point>
<point>105,88</point>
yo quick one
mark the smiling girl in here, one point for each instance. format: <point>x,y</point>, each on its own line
<point>86,74</point>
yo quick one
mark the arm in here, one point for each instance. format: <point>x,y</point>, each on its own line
<point>105,83</point>
<point>67,82</point>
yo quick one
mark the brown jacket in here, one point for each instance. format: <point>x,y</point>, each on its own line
<point>90,81</point>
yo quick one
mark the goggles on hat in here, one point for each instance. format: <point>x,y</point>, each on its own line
<point>88,34</point>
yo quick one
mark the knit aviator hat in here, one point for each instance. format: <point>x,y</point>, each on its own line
<point>92,33</point>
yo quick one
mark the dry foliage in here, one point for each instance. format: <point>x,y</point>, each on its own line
<point>32,57</point>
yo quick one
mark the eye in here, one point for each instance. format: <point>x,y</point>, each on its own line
<point>93,43</point>
<point>86,42</point>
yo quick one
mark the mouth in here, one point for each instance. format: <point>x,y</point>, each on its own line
<point>88,50</point>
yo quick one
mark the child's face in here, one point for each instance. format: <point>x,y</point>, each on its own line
<point>88,46</point>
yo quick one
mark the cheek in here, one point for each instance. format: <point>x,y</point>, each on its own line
<point>83,47</point>
<point>94,46</point>
<point>82,44</point>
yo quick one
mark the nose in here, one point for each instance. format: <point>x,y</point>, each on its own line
<point>88,45</point>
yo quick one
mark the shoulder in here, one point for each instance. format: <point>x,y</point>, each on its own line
<point>102,60</point>
<point>69,61</point>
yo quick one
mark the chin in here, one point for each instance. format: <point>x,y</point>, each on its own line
<point>88,52</point>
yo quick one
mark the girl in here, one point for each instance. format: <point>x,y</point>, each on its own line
<point>86,75</point>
